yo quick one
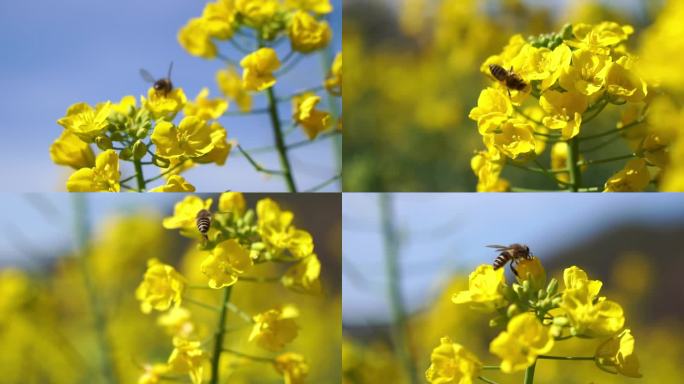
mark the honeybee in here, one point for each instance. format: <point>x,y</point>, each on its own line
<point>163,85</point>
<point>511,79</point>
<point>513,253</point>
<point>203,221</point>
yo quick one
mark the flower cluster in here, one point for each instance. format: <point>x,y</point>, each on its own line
<point>238,240</point>
<point>155,134</point>
<point>570,78</point>
<point>535,316</point>
<point>143,134</point>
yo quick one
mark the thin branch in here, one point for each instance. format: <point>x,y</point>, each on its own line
<point>201,304</point>
<point>317,139</point>
<point>324,184</point>
<point>258,166</point>
<point>243,113</point>
<point>607,160</point>
<point>250,357</point>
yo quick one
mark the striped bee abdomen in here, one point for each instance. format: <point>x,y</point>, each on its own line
<point>498,72</point>
<point>515,82</point>
<point>501,260</point>
<point>203,222</point>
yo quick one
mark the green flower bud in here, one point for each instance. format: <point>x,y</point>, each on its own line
<point>561,321</point>
<point>518,289</point>
<point>258,246</point>
<point>125,154</point>
<point>117,136</point>
<point>512,310</point>
<point>103,142</point>
<point>249,216</point>
<point>526,286</point>
<point>541,294</point>
<point>566,32</point>
<point>552,288</point>
<point>161,162</point>
<point>141,133</point>
<point>139,150</point>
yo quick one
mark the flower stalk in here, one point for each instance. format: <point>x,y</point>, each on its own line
<point>218,342</point>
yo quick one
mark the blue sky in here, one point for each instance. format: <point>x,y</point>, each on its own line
<point>56,53</point>
<point>444,233</point>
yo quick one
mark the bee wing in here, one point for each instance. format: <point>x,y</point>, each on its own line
<point>499,247</point>
<point>147,76</point>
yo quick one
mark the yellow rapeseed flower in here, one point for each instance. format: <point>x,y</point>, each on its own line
<point>195,38</point>
<point>564,111</point>
<point>225,263</point>
<point>220,146</point>
<point>487,166</point>
<point>188,357</point>
<point>484,289</point>
<point>634,177</point>
<point>233,202</point>
<point>304,276</point>
<point>276,229</point>
<point>451,363</point>
<point>219,19</point>
<point>621,81</point>
<point>185,215</point>
<point>164,106</point>
<point>176,322</point>
<point>103,177</point>
<point>258,69</point>
<point>205,108</point>
<point>230,84</point>
<point>70,150</point>
<point>304,113</point>
<point>617,355</point>
<point>257,12</point>
<point>599,38</point>
<point>85,121</point>
<point>191,138</point>
<point>589,314</point>
<point>161,287</point>
<point>275,328</point>
<point>175,183</point>
<point>316,6</point>
<point>587,74</point>
<point>515,139</point>
<point>307,34</point>
<point>493,108</point>
<point>533,271</point>
<point>333,82</point>
<point>524,339</point>
<point>153,373</point>
<point>292,367</point>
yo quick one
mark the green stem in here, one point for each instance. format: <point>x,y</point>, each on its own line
<point>486,380</point>
<point>573,165</point>
<point>610,159</point>
<point>218,342</point>
<point>82,234</point>
<point>489,367</point>
<point>250,357</point>
<point>529,374</point>
<point>200,304</point>
<point>139,175</point>
<point>542,357</point>
<point>279,141</point>
<point>399,326</point>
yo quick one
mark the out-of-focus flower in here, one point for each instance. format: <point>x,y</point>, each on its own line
<point>598,39</point>
<point>258,68</point>
<point>227,261</point>
<point>617,355</point>
<point>230,83</point>
<point>188,357</point>
<point>233,202</point>
<point>533,271</point>
<point>276,229</point>
<point>487,166</point>
<point>292,367</point>
<point>304,113</point>
<point>162,286</point>
<point>85,121</point>
<point>177,322</point>
<point>191,138</point>
<point>70,150</point>
<point>525,338</point>
<point>634,177</point>
<point>622,82</point>
<point>164,105</point>
<point>587,74</point>
<point>185,214</point>
<point>316,6</point>
<point>257,11</point>
<point>104,177</point>
<point>307,34</point>
<point>451,363</point>
<point>204,108</point>
<point>333,83</point>
<point>564,111</point>
<point>304,276</point>
<point>589,314</point>
<point>153,373</point>
<point>275,328</point>
<point>195,38</point>
<point>493,108</point>
<point>125,105</point>
<point>484,289</point>
<point>219,19</point>
<point>175,183</point>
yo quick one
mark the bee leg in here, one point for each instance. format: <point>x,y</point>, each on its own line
<point>515,271</point>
